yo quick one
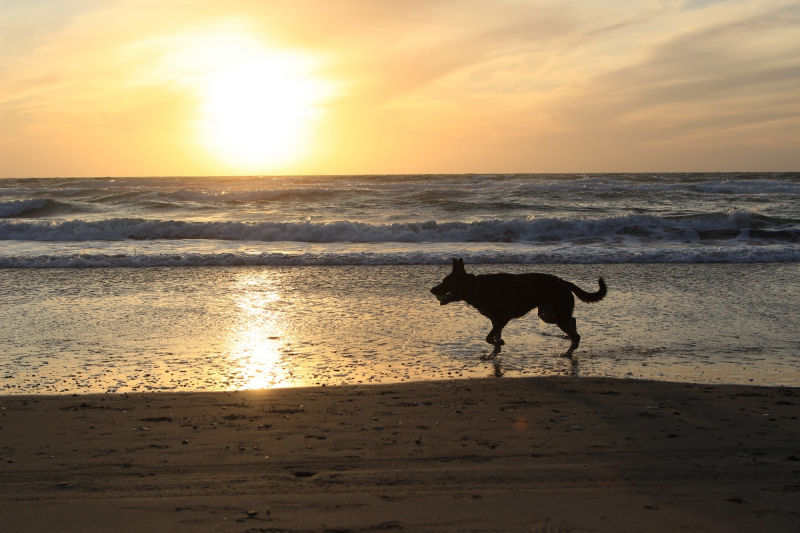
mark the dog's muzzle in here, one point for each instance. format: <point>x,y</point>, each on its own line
<point>444,298</point>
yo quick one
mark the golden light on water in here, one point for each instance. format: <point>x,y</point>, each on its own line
<point>257,336</point>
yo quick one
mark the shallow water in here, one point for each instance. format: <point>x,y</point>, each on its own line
<point>223,328</point>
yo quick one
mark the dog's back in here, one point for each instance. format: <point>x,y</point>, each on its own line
<point>514,295</point>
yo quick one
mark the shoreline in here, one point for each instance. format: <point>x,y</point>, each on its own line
<point>505,454</point>
<point>249,328</point>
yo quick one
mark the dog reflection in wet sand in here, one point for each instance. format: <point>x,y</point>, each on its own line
<point>502,297</point>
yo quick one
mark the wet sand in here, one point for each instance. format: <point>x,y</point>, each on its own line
<point>527,454</point>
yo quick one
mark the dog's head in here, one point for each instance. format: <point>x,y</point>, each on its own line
<point>454,286</point>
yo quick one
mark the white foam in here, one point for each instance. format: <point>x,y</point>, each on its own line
<point>340,255</point>
<point>644,227</point>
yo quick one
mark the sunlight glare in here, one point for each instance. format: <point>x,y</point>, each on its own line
<point>259,109</point>
<point>256,340</point>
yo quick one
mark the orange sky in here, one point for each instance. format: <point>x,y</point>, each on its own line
<point>173,87</point>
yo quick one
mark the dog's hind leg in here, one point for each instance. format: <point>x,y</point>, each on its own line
<point>547,315</point>
<point>569,327</point>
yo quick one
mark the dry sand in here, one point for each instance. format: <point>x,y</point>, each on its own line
<point>541,455</point>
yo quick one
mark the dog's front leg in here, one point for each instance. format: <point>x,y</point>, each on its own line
<point>494,339</point>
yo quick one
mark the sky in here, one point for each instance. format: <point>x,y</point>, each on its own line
<point>248,87</point>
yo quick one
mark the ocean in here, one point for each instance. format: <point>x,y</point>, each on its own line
<point>222,283</point>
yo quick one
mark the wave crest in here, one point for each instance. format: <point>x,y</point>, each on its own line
<point>647,228</point>
<point>539,255</point>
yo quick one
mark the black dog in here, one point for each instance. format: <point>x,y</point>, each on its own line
<point>501,297</point>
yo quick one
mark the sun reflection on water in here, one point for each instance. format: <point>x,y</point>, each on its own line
<point>258,335</point>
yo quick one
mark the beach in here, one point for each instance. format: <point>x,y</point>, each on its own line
<point>545,454</point>
<point>264,355</point>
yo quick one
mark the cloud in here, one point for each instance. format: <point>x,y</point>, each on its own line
<point>731,68</point>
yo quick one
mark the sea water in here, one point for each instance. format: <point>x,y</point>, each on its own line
<point>147,284</point>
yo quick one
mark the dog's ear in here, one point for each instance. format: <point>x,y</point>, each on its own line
<point>458,265</point>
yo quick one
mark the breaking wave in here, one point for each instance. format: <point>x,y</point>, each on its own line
<point>745,225</point>
<point>543,255</point>
<point>36,208</point>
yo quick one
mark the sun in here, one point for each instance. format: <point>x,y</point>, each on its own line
<point>259,110</point>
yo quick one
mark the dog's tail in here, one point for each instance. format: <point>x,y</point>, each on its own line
<point>589,297</point>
